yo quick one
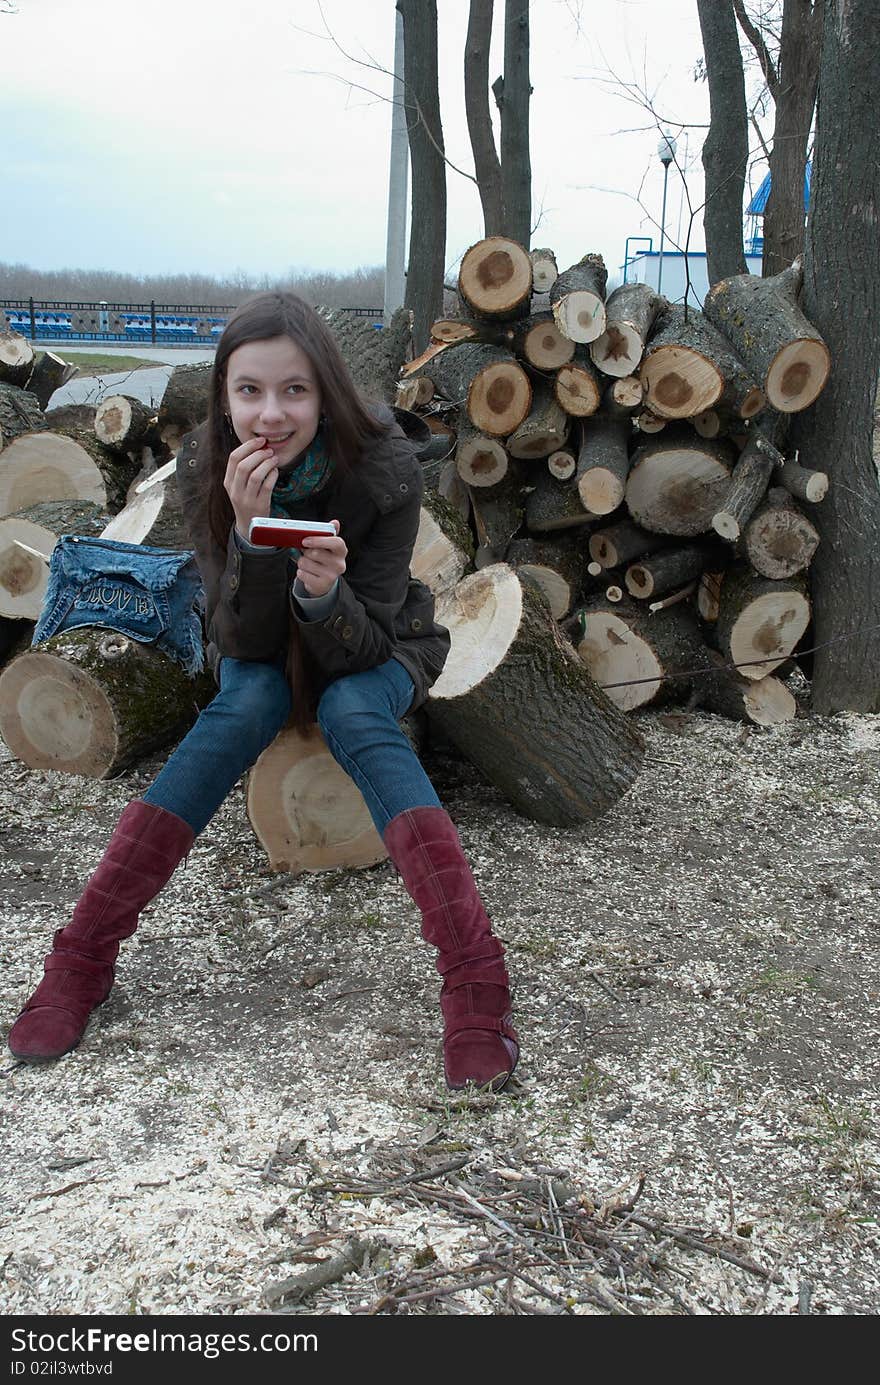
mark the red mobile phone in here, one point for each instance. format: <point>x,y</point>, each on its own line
<point>286,533</point>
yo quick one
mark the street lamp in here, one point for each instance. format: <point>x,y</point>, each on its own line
<point>666,153</point>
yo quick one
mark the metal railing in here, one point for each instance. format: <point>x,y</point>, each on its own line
<point>181,324</point>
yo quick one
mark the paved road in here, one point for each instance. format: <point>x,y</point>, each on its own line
<point>148,385</point>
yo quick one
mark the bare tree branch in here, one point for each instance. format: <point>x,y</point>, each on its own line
<point>756,39</point>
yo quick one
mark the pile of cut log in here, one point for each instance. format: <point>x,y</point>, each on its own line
<point>628,455</point>
<point>614,521</point>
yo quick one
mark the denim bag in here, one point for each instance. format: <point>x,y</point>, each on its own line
<point>146,593</point>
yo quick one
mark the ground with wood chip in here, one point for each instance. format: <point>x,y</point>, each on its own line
<point>256,1120</point>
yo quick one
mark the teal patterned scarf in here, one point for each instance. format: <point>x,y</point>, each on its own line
<point>303,479</point>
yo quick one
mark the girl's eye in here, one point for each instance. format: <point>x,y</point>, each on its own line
<point>297,388</point>
<point>244,389</point>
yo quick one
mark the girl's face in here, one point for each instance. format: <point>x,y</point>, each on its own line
<point>272,393</point>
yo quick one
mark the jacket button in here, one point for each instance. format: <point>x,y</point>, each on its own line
<point>347,633</point>
<point>416,624</point>
<point>403,486</point>
<point>233,582</point>
<point>191,462</point>
<point>388,499</point>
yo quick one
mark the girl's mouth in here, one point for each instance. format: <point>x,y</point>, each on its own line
<point>277,442</point>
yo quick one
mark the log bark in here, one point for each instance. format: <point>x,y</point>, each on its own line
<point>516,701</point>
<point>677,482</point>
<point>760,622</point>
<point>20,412</point>
<point>748,486</point>
<point>544,430</point>
<point>374,358</point>
<point>498,514</point>
<point>184,404</point>
<point>557,567</point>
<point>50,372</point>
<point>72,416</point>
<point>577,387</point>
<point>689,367</point>
<point>578,299</point>
<point>762,319</point>
<point>554,505</point>
<point>306,812</point>
<point>488,381</point>
<point>804,484</point>
<point>444,548</point>
<point>779,539</point>
<point>495,278</point>
<point>614,545</point>
<point>630,314</point>
<point>92,702</point>
<point>660,573</point>
<point>603,463</point>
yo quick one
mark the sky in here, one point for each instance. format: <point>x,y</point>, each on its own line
<point>224,135</point>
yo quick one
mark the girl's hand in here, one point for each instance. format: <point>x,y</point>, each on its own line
<point>250,478</point>
<point>322,561</point>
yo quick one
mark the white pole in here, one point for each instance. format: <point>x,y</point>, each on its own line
<point>395,247</point>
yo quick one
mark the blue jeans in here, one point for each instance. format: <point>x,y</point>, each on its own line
<point>358,715</point>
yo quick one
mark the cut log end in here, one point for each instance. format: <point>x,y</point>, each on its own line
<point>798,375</point>
<point>618,350</point>
<point>615,655</point>
<point>307,813</point>
<point>580,316</point>
<point>495,276</point>
<point>499,398</point>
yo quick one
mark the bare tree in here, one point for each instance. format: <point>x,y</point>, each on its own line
<point>726,148</point>
<point>424,281</point>
<point>516,166</point>
<point>791,75</point>
<point>842,297</point>
<point>487,165</point>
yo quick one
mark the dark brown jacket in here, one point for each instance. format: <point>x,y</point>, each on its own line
<point>380,610</point>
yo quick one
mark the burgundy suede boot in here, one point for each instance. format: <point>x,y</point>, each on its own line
<point>479,1042</point>
<point>146,846</point>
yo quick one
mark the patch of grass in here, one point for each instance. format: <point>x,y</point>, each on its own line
<point>88,362</point>
<point>783,982</point>
<point>593,1082</point>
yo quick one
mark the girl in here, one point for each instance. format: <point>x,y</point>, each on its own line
<point>341,634</point>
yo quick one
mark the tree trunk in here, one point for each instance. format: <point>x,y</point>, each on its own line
<point>517,702</point>
<point>516,167</point>
<point>487,165</point>
<point>578,299</point>
<point>759,621</point>
<point>557,566</point>
<point>577,386</point>
<point>24,576</point>
<point>842,296</point>
<point>544,430</point>
<point>122,422</point>
<point>726,148</point>
<point>795,97</point>
<point>427,252</point>
<point>689,366</point>
<point>779,539</point>
<point>486,380</point>
<point>603,463</point>
<point>444,549</point>
<point>632,653</point>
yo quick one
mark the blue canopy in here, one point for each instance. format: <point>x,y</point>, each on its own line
<point>758,204</point>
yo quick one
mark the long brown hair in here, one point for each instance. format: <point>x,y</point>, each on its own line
<point>347,427</point>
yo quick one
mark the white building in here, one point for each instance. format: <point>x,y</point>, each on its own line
<point>680,273</point>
